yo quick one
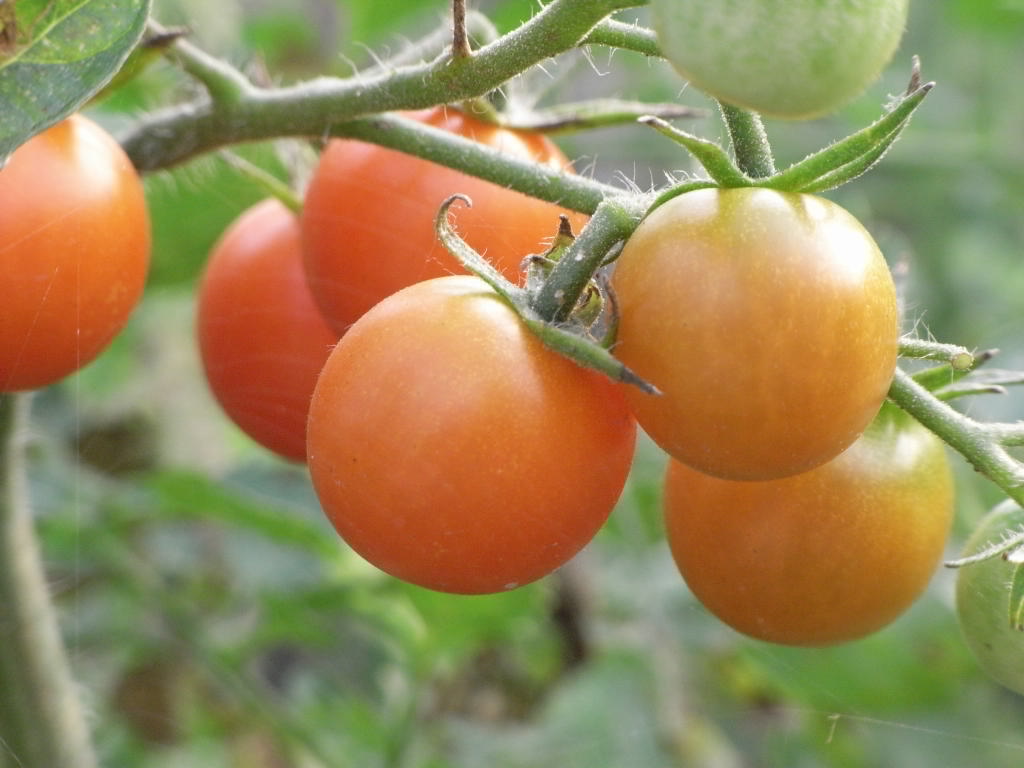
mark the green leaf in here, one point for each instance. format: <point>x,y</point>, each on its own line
<point>191,496</point>
<point>55,54</point>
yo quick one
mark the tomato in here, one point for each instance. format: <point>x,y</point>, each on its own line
<point>786,58</point>
<point>983,601</point>
<point>368,218</point>
<point>769,322</point>
<point>452,449</point>
<point>74,251</point>
<point>262,338</point>
<point>823,557</point>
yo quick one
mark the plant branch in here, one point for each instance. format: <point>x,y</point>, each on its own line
<point>239,111</point>
<point>41,720</point>
<point>596,113</point>
<point>413,137</point>
<point>983,445</point>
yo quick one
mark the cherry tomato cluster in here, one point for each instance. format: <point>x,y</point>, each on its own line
<point>451,448</point>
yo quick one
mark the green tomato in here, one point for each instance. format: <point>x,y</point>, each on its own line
<point>794,59</point>
<point>983,601</point>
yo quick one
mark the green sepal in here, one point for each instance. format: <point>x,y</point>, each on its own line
<point>569,340</point>
<point>857,153</point>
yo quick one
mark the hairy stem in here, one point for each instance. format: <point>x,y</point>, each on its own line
<point>41,720</point>
<point>979,444</point>
<point>612,223</point>
<point>239,111</point>
<point>749,141</point>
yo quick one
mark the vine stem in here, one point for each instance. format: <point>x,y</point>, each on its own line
<point>41,719</point>
<point>981,444</point>
<point>238,110</point>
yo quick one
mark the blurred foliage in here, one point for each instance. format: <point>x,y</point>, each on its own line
<point>215,618</point>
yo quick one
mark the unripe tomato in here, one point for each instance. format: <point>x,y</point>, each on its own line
<point>74,251</point>
<point>823,557</point>
<point>983,601</point>
<point>452,449</point>
<point>786,58</point>
<point>368,218</point>
<point>769,322</point>
<point>262,338</point>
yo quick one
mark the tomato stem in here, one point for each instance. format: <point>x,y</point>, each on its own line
<point>749,141</point>
<point>628,37</point>
<point>612,222</point>
<point>41,718</point>
<point>959,358</point>
<point>983,445</point>
<point>460,37</point>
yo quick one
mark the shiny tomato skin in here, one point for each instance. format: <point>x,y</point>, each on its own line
<point>794,59</point>
<point>261,336</point>
<point>368,217</point>
<point>823,557</point>
<point>983,601</point>
<point>74,251</point>
<point>453,450</point>
<point>769,322</point>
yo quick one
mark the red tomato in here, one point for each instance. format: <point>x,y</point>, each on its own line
<point>368,217</point>
<point>823,557</point>
<point>452,449</point>
<point>769,322</point>
<point>74,251</point>
<point>262,338</point>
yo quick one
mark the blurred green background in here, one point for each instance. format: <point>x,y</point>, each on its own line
<point>214,619</point>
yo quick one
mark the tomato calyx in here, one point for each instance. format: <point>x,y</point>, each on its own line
<point>820,171</point>
<point>579,310</point>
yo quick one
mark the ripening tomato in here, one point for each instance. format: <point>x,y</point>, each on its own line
<point>769,322</point>
<point>368,217</point>
<point>983,601</point>
<point>823,557</point>
<point>452,449</point>
<point>262,338</point>
<point>787,58</point>
<point>74,251</point>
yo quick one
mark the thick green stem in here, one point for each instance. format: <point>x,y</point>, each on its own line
<point>749,141</point>
<point>240,111</point>
<point>977,442</point>
<point>41,720</point>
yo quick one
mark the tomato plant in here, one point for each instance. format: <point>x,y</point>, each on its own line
<point>368,218</point>
<point>262,338</point>
<point>983,601</point>
<point>769,322</point>
<point>786,58</point>
<point>452,449</point>
<point>74,251</point>
<point>822,557</point>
